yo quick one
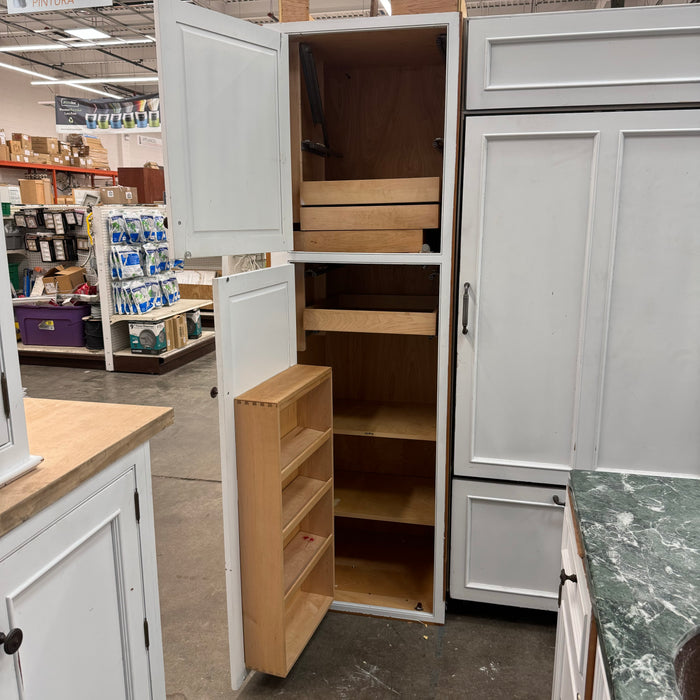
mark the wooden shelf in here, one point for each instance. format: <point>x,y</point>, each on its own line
<point>407,421</point>
<point>380,569</point>
<point>179,307</point>
<point>395,498</point>
<point>298,445</point>
<point>303,617</point>
<point>300,557</point>
<point>298,498</point>
<point>345,320</point>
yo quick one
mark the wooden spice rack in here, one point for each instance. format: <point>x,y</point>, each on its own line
<point>284,455</point>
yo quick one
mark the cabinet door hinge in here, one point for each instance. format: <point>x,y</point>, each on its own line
<point>5,395</point>
<point>146,638</point>
<point>137,506</point>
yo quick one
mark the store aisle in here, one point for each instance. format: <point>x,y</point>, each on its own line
<point>487,654</point>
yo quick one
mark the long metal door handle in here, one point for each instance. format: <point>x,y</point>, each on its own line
<point>465,309</point>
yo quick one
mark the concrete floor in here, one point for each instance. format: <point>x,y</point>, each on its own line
<point>482,653</point>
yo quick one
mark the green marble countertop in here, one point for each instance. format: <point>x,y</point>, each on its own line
<point>641,536</point>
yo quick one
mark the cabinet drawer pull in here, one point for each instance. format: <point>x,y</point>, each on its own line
<point>558,501</point>
<point>563,578</point>
<point>465,309</point>
<point>11,641</point>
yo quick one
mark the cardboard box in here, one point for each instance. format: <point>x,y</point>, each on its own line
<point>194,323</point>
<point>4,152</point>
<point>77,162</point>
<point>147,337</point>
<point>119,195</point>
<point>11,194</point>
<point>36,191</point>
<point>25,140</point>
<point>44,144</point>
<point>176,332</point>
<point>15,147</point>
<point>42,158</point>
<point>3,138</point>
<point>80,192</point>
<point>63,279</point>
<point>19,159</point>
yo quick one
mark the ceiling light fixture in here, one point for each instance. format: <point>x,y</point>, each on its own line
<point>26,72</point>
<point>89,89</point>
<point>98,81</point>
<point>31,47</point>
<point>87,33</point>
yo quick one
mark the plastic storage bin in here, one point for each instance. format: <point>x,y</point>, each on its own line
<point>52,325</point>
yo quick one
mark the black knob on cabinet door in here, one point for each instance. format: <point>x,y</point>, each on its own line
<point>214,392</point>
<point>11,641</point>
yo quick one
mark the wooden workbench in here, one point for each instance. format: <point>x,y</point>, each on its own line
<point>76,440</point>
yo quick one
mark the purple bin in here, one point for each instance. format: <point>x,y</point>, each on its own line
<point>52,325</point>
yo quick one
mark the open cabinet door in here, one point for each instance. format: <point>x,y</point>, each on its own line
<point>255,339</point>
<point>224,91</point>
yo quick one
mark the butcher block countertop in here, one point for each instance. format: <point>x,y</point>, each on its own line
<point>77,440</point>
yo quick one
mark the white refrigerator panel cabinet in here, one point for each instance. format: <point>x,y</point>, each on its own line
<point>224,89</point>
<point>579,243</point>
<point>255,315</point>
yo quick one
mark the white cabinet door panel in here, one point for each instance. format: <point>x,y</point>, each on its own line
<point>255,316</point>
<point>527,225</point>
<point>627,56</point>
<point>76,591</point>
<point>225,100</point>
<point>649,409</point>
<point>505,541</point>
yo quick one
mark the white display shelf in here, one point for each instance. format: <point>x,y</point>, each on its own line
<point>205,337</point>
<point>63,349</point>
<point>179,307</point>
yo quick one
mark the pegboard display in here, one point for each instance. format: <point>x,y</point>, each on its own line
<point>31,260</point>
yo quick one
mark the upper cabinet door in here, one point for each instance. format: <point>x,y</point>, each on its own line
<point>641,55</point>
<point>224,89</point>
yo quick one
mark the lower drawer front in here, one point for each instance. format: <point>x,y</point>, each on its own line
<point>505,543</point>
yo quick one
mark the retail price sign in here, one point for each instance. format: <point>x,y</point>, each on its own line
<point>15,7</point>
<point>138,114</point>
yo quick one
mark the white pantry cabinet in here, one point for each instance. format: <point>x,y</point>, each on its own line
<point>79,580</point>
<point>360,296</point>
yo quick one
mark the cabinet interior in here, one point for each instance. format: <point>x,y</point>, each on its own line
<point>383,98</point>
<point>384,418</point>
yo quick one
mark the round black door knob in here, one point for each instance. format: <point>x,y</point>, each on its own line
<point>12,640</point>
<point>214,392</point>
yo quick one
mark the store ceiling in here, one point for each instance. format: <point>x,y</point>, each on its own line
<point>129,51</point>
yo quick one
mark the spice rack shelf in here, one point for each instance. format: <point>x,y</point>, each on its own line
<point>284,457</point>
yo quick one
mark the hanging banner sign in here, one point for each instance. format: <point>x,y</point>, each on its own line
<point>15,7</point>
<point>139,114</point>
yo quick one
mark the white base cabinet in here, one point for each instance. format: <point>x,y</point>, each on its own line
<point>579,669</point>
<point>79,579</point>
<point>504,545</point>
